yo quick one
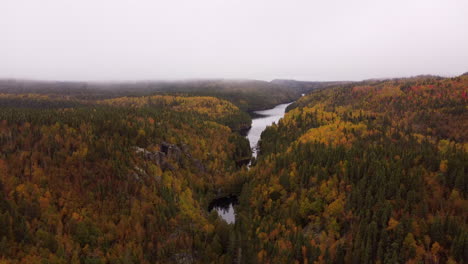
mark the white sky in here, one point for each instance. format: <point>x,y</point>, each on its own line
<point>256,39</point>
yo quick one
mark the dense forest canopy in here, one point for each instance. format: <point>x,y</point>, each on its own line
<point>125,179</point>
<point>356,172</point>
<point>370,172</point>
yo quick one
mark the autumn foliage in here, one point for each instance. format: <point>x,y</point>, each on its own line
<point>367,172</point>
<point>371,172</point>
<point>126,180</point>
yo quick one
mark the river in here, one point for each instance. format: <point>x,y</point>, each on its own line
<point>225,206</point>
<point>259,124</point>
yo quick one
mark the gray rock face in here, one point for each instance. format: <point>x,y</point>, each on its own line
<point>170,152</point>
<point>157,157</point>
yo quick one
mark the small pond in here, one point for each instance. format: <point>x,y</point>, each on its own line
<point>224,207</point>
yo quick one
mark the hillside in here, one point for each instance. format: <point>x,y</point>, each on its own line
<point>121,180</point>
<point>362,172</point>
<point>370,172</point>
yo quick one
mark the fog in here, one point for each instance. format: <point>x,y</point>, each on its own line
<point>255,39</point>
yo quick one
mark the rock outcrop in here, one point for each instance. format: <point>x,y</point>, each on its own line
<point>170,153</point>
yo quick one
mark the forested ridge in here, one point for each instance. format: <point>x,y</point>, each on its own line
<point>120,181</point>
<point>248,95</point>
<point>370,172</point>
<point>362,172</point>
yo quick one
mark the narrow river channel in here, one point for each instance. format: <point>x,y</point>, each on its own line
<point>225,206</point>
<point>259,124</point>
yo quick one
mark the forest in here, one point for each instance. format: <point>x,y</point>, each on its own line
<point>368,172</point>
<point>123,180</point>
<point>356,172</point>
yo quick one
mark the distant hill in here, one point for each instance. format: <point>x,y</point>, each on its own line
<point>248,95</point>
<point>306,86</point>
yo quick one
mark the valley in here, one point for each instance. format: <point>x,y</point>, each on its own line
<point>360,172</point>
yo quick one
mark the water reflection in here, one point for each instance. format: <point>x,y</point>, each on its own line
<point>224,207</point>
<point>259,124</point>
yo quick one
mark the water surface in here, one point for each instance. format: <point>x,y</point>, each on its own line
<point>224,205</point>
<point>259,124</point>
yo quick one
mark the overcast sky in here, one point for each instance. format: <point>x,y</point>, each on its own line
<point>255,39</point>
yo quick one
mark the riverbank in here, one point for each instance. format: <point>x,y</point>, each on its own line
<point>224,205</point>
